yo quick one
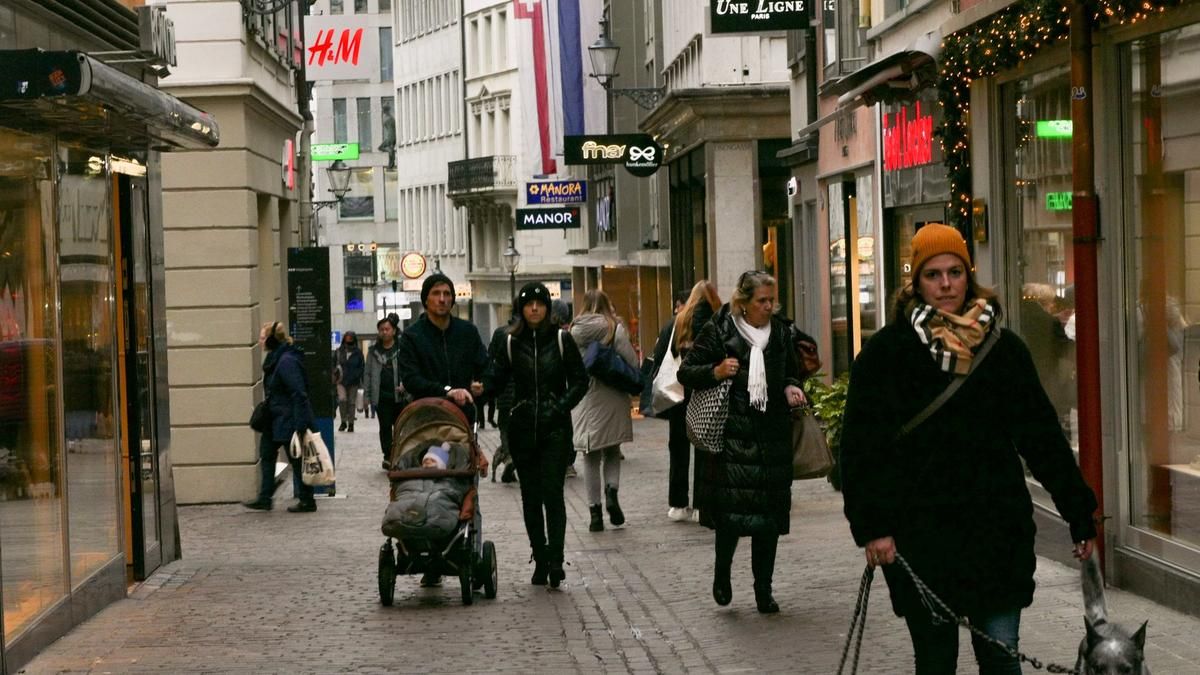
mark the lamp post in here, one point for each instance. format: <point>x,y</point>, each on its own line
<point>512,258</point>
<point>339,184</point>
<point>603,54</point>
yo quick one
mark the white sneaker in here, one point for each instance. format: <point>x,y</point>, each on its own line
<point>678,514</point>
<point>695,515</point>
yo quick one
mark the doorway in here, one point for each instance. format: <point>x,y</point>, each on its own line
<point>139,451</point>
<point>904,224</point>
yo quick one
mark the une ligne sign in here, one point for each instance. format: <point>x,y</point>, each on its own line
<point>753,16</point>
<point>1053,128</point>
<point>1058,201</point>
<point>334,151</point>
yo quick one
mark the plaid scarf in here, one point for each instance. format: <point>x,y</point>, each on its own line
<point>952,338</point>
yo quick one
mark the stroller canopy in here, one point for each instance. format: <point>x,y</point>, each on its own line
<point>428,421</point>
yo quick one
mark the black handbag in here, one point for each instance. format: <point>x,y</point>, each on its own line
<point>260,419</point>
<point>604,363</point>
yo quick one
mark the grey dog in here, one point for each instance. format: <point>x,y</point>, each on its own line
<point>1107,649</point>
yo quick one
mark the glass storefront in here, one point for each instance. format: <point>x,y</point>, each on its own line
<point>1040,304</point>
<point>1162,199</point>
<point>854,281</point>
<point>31,452</point>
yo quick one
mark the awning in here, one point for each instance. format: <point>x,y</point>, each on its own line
<point>896,77</point>
<point>74,94</point>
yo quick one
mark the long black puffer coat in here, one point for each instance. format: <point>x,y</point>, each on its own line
<point>746,489</point>
<point>952,492</point>
<point>546,386</point>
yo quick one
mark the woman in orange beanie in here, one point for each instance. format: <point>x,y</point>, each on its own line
<point>943,405</point>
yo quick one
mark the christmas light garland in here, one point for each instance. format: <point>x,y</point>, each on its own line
<point>998,43</point>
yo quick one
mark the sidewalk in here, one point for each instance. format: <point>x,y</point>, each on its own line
<point>296,593</point>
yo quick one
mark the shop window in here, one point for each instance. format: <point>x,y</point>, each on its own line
<point>391,192</point>
<point>360,200</point>
<point>31,453</point>
<point>1162,189</point>
<point>90,414</point>
<point>853,269</point>
<point>1041,304</point>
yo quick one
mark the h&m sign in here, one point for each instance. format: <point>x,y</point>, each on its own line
<point>561,218</point>
<point>752,16</point>
<point>640,153</point>
<point>340,47</point>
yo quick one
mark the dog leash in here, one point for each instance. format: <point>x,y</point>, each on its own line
<point>940,612</point>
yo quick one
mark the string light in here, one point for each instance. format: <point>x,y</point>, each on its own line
<point>999,43</point>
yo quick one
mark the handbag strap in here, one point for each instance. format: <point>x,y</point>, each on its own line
<point>954,385</point>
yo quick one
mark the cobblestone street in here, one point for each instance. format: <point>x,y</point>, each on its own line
<point>286,593</point>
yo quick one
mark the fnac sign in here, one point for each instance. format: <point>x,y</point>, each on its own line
<point>340,48</point>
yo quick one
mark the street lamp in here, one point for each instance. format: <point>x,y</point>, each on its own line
<point>512,258</point>
<point>603,54</point>
<point>339,184</point>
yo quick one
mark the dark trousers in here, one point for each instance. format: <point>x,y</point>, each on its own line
<point>935,647</point>
<point>268,451</point>
<point>491,412</point>
<point>681,457</point>
<point>542,476</point>
<point>762,555</point>
<point>388,410</point>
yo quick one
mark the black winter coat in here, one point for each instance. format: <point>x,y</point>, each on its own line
<point>546,386</point>
<point>432,359</point>
<point>350,360</point>
<point>747,487</point>
<point>287,393</point>
<point>952,492</point>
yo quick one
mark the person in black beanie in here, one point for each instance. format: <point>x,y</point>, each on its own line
<point>546,371</point>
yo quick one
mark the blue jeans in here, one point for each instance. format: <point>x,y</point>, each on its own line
<point>935,647</point>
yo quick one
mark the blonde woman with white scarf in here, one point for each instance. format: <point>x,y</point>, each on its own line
<point>746,489</point>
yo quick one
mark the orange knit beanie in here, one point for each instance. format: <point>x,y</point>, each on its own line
<point>935,239</point>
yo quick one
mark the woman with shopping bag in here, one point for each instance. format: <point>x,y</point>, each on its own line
<point>742,369</point>
<point>699,307</point>
<point>291,414</point>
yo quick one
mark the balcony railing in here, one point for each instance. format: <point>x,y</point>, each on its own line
<point>482,174</point>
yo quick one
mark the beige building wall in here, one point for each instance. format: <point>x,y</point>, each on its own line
<point>229,220</point>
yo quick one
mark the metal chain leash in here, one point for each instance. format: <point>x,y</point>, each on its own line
<point>939,611</point>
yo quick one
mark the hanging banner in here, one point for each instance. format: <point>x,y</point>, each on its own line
<point>562,218</point>
<point>556,192</point>
<point>756,16</point>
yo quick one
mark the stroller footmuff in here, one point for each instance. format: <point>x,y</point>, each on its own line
<point>432,515</point>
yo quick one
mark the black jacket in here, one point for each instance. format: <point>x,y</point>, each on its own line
<point>546,386</point>
<point>350,360</point>
<point>952,492</point>
<point>287,393</point>
<point>432,359</point>
<point>747,487</point>
<point>504,397</point>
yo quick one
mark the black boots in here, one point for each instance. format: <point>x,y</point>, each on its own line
<point>541,569</point>
<point>258,504</point>
<point>556,573</point>
<point>509,475</point>
<point>350,426</point>
<point>342,427</point>
<point>614,508</point>
<point>303,506</point>
<point>722,587</point>
<point>762,598</point>
<point>597,524</point>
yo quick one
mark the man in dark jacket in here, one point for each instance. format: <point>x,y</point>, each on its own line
<point>442,356</point>
<point>350,373</point>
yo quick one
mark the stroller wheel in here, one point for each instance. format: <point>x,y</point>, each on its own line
<point>387,574</point>
<point>490,576</point>
<point>468,593</point>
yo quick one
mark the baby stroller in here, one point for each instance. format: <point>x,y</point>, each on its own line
<point>432,515</point>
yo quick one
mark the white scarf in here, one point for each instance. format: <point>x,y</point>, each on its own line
<point>758,339</point>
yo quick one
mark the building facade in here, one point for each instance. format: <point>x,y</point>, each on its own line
<point>87,497</point>
<point>231,215</point>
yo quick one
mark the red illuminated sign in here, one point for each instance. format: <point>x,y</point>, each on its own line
<point>907,142</point>
<point>347,50</point>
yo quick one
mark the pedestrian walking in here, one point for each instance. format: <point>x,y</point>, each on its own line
<point>286,387</point>
<point>350,366</point>
<point>549,380</point>
<point>442,355</point>
<point>746,488</point>
<point>602,419</point>
<point>383,385</point>
<point>943,405</point>
<point>698,308</point>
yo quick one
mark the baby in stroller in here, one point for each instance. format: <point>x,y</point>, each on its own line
<point>433,513</point>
